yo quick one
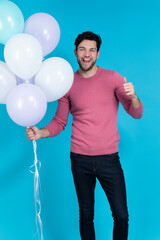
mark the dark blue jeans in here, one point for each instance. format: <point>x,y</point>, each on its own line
<point>107,169</point>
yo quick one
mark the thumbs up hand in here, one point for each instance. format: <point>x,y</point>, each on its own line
<point>129,89</point>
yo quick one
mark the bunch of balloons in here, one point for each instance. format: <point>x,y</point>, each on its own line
<point>26,81</point>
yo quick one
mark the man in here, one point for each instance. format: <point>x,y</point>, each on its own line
<point>93,101</point>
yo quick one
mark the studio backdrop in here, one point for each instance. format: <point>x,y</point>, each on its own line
<point>130,32</point>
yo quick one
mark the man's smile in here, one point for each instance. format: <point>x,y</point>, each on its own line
<point>86,61</point>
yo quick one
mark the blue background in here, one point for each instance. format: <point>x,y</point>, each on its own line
<point>130,32</point>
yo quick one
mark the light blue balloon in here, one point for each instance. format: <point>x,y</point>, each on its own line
<point>11,20</point>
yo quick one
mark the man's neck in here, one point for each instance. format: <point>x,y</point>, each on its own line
<point>87,74</point>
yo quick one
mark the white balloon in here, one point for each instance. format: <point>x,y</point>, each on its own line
<point>7,81</point>
<point>55,78</point>
<point>23,55</point>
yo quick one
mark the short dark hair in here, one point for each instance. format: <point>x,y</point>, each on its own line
<point>88,36</point>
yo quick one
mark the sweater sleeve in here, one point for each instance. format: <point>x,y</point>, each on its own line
<point>58,123</point>
<point>124,98</point>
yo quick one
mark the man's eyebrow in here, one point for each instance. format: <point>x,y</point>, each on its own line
<point>90,48</point>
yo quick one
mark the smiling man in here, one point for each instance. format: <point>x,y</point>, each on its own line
<point>87,54</point>
<point>93,101</point>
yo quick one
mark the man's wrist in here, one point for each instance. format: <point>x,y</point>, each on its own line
<point>135,101</point>
<point>134,96</point>
<point>44,133</point>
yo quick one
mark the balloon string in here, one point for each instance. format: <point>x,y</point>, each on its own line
<point>36,192</point>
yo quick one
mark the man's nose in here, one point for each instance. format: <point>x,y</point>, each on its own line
<point>86,53</point>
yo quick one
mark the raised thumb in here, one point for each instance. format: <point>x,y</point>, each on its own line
<point>125,80</point>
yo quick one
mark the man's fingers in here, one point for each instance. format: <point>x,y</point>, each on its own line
<point>127,84</point>
<point>30,136</point>
<point>127,88</point>
<point>31,133</point>
<point>31,139</point>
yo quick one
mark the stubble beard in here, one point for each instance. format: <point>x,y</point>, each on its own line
<point>86,69</point>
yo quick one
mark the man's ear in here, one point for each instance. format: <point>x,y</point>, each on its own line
<point>98,54</point>
<point>75,52</point>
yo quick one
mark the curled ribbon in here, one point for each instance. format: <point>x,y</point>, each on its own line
<point>36,192</point>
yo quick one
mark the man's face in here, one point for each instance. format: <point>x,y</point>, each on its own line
<point>87,54</point>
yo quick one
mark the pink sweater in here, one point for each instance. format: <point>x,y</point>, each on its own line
<point>93,102</point>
